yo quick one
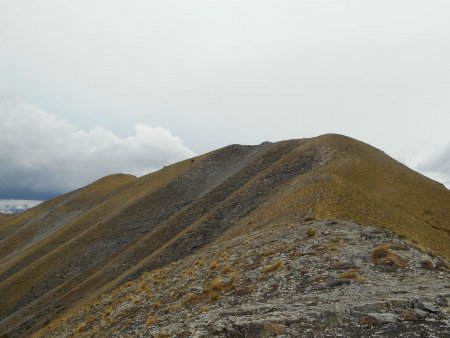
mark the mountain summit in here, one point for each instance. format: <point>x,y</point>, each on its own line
<point>224,233</point>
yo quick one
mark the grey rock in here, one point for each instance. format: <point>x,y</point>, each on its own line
<point>427,306</point>
<point>420,313</point>
<point>383,317</point>
<point>443,301</point>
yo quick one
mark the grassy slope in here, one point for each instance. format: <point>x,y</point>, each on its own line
<point>50,255</point>
<point>22,231</point>
<point>362,184</point>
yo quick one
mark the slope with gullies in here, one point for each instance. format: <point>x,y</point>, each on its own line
<point>59,255</point>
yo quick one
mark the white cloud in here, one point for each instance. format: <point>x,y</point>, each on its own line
<point>437,166</point>
<point>43,154</point>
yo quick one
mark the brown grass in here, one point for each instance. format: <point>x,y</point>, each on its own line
<point>152,320</point>
<point>276,265</point>
<point>80,328</point>
<point>311,232</point>
<point>200,262</point>
<point>214,289</point>
<point>190,298</point>
<point>383,256</point>
<point>217,284</point>
<point>174,307</point>
<point>275,328</point>
<point>214,265</point>
<point>353,274</point>
<point>408,315</point>
<point>227,269</point>
<point>267,252</point>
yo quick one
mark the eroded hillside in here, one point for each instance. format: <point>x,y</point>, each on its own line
<point>76,247</point>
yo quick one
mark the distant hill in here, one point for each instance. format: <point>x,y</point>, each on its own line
<point>67,251</point>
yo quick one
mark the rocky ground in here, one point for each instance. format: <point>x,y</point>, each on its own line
<point>311,279</point>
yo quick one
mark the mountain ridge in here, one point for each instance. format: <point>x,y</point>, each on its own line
<point>96,238</point>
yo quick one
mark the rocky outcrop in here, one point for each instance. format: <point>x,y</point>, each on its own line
<point>309,279</point>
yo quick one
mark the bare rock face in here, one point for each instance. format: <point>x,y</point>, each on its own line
<point>308,279</point>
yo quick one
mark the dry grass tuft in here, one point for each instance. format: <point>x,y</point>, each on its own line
<point>214,265</point>
<point>80,328</point>
<point>190,298</point>
<point>353,274</point>
<point>200,262</point>
<point>382,255</point>
<point>227,269</point>
<point>214,295</point>
<point>275,328</point>
<point>133,299</point>
<point>152,320</point>
<point>267,252</point>
<point>174,307</point>
<point>278,264</point>
<point>217,284</point>
<point>214,288</point>
<point>311,232</point>
<point>189,272</point>
<point>163,334</point>
<point>408,315</point>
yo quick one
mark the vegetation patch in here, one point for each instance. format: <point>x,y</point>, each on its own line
<point>311,232</point>
<point>276,265</point>
<point>383,256</point>
<point>275,328</point>
<point>152,320</point>
<point>353,275</point>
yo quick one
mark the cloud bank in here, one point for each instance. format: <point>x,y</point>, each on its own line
<point>42,155</point>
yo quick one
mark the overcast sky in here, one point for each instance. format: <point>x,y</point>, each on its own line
<point>88,88</point>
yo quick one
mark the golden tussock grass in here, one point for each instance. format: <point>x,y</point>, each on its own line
<point>200,262</point>
<point>214,288</point>
<point>174,307</point>
<point>152,320</point>
<point>217,284</point>
<point>214,265</point>
<point>311,232</point>
<point>80,328</point>
<point>227,269</point>
<point>276,265</point>
<point>352,274</point>
<point>275,328</point>
<point>383,256</point>
<point>190,298</point>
